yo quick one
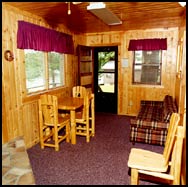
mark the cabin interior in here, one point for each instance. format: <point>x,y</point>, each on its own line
<point>138,20</point>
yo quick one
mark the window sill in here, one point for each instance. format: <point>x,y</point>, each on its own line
<point>35,96</point>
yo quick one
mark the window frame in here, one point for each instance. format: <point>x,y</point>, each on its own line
<point>146,83</point>
<point>46,74</point>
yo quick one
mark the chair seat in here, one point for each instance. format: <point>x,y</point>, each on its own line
<point>147,160</point>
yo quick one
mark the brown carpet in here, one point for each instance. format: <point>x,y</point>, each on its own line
<point>102,161</point>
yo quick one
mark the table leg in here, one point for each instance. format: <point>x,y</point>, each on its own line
<point>73,127</point>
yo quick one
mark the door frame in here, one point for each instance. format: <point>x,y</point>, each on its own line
<point>97,49</point>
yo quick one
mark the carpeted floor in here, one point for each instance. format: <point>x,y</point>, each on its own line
<point>102,161</point>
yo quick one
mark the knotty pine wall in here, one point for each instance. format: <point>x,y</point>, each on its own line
<point>129,95</point>
<point>20,112</point>
<point>180,90</point>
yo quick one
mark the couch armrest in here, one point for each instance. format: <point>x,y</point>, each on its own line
<point>151,103</point>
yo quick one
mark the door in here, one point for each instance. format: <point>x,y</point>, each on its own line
<point>105,78</point>
<point>85,67</point>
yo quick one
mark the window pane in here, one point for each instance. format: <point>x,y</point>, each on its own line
<point>138,57</point>
<point>106,82</point>
<point>106,61</point>
<point>106,72</point>
<point>151,57</point>
<point>137,73</point>
<point>35,75</point>
<point>147,67</point>
<point>55,69</point>
<point>150,74</point>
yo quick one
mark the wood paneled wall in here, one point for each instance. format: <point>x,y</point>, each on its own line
<point>20,112</point>
<point>129,95</point>
<point>180,91</point>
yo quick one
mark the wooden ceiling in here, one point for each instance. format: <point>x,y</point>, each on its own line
<point>134,15</point>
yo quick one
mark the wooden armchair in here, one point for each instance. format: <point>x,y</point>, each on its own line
<point>159,165</point>
<point>53,127</point>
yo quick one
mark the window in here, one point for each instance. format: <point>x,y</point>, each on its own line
<point>147,67</point>
<point>43,70</point>
<point>106,71</point>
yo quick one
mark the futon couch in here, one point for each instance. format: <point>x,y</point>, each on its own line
<point>151,124</point>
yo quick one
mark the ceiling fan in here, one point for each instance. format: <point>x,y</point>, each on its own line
<point>99,9</point>
<point>69,3</point>
<point>92,4</point>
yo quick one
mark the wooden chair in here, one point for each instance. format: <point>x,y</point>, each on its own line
<point>152,163</point>
<point>53,127</point>
<point>85,123</point>
<point>78,91</point>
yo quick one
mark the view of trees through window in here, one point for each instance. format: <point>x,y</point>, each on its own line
<point>106,71</point>
<point>42,66</point>
<point>56,70</point>
<point>104,57</point>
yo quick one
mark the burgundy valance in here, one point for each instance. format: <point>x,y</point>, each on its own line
<point>148,44</point>
<point>31,36</point>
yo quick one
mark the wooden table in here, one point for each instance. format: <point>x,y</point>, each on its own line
<point>71,104</point>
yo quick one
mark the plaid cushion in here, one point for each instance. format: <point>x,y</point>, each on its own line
<point>151,124</point>
<point>149,136</point>
<point>150,113</point>
<point>146,124</point>
<point>151,103</point>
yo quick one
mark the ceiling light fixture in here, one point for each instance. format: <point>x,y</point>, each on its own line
<point>69,3</point>
<point>96,5</point>
<point>99,9</point>
<point>182,3</point>
<point>69,10</point>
